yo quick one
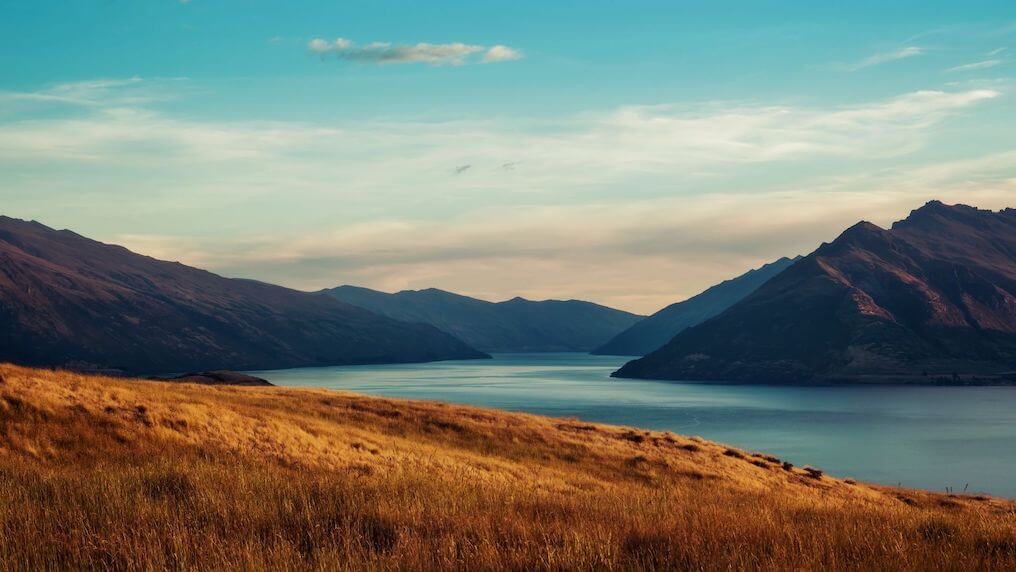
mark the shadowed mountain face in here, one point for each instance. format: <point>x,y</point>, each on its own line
<point>66,300</point>
<point>656,330</point>
<point>933,299</point>
<point>516,325</point>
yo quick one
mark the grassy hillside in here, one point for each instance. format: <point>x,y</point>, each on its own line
<point>120,474</point>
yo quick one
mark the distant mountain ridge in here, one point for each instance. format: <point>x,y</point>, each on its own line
<point>656,330</point>
<point>516,325</point>
<point>931,299</point>
<point>66,300</point>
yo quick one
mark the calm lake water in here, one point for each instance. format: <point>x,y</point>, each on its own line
<point>927,437</point>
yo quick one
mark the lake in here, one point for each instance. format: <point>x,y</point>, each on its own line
<point>926,437</point>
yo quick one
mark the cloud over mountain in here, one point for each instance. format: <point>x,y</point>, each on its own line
<point>710,188</point>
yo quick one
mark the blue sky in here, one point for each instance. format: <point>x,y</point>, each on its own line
<point>630,153</point>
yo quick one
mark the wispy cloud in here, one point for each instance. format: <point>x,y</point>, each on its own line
<point>886,57</point>
<point>90,92</point>
<point>981,65</point>
<point>697,206</point>
<point>672,248</point>
<point>454,54</point>
<point>629,139</point>
<point>100,93</point>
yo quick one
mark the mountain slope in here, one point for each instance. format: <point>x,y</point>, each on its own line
<point>68,300</point>
<point>656,330</point>
<point>117,474</point>
<point>933,299</point>
<point>516,325</point>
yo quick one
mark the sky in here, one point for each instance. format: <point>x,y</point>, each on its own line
<point>628,153</point>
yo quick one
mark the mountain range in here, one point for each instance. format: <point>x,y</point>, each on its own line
<point>66,300</point>
<point>658,329</point>
<point>933,298</point>
<point>516,325</point>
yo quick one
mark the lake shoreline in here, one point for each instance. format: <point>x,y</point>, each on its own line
<point>942,436</point>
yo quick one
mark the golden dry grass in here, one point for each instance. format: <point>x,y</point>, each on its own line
<point>117,474</point>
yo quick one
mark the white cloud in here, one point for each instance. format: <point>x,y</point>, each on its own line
<point>886,57</point>
<point>635,254</point>
<point>662,140</point>
<point>745,133</point>
<point>671,198</point>
<point>981,65</point>
<point>435,54</point>
<point>501,53</point>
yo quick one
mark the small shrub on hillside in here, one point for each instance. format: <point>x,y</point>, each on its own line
<point>637,460</point>
<point>634,437</point>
